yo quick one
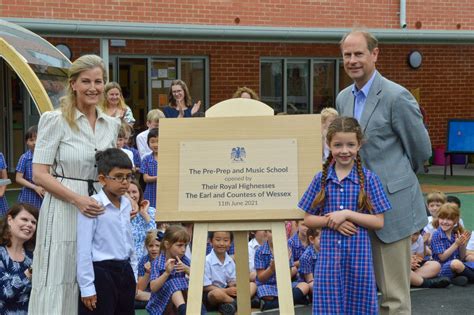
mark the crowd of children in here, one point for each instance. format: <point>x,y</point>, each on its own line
<point>329,252</point>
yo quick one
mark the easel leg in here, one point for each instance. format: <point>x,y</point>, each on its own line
<point>197,269</point>
<point>280,249</point>
<point>242,270</point>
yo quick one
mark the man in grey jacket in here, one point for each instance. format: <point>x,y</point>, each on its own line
<point>397,144</point>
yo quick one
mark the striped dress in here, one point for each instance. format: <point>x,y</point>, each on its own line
<point>71,154</point>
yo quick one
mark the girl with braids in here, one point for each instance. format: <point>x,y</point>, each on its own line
<point>345,200</point>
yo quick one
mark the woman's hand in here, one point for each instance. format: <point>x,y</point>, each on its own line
<point>143,208</point>
<point>195,108</point>
<point>88,206</point>
<point>28,273</point>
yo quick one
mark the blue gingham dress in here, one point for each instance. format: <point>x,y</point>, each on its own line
<point>139,229</point>
<point>141,268</point>
<point>149,166</point>
<point>136,156</point>
<point>439,244</point>
<point>177,281</point>
<point>25,166</point>
<point>297,248</point>
<point>308,261</point>
<point>3,200</point>
<point>263,257</point>
<point>344,281</point>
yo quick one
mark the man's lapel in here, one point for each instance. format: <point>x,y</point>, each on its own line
<point>372,101</point>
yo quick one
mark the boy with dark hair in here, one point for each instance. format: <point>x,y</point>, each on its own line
<point>149,167</point>
<point>220,289</point>
<point>105,250</point>
<point>30,193</point>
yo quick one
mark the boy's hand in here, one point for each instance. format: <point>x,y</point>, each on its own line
<point>90,302</point>
<point>232,291</point>
<point>347,228</point>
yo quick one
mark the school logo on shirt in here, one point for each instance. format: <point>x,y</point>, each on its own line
<point>238,155</point>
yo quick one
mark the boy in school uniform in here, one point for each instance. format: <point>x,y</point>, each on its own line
<point>152,121</point>
<point>105,249</point>
<point>220,288</point>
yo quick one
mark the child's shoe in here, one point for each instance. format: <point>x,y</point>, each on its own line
<point>459,281</point>
<point>228,308</point>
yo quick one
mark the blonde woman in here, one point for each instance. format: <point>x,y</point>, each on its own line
<point>64,166</point>
<point>114,104</point>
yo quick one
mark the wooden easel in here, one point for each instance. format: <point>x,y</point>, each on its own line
<point>239,222</point>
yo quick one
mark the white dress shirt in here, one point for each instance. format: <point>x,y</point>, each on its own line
<point>217,273</point>
<point>142,143</point>
<point>253,245</point>
<point>106,237</point>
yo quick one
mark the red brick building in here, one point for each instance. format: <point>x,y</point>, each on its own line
<point>287,50</point>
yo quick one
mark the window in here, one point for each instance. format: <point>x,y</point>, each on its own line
<point>309,85</point>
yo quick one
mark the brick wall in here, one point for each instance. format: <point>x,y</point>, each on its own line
<point>445,78</point>
<point>433,14</point>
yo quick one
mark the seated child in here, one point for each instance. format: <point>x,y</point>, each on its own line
<point>30,193</point>
<point>448,245</point>
<point>149,168</point>
<point>152,243</point>
<point>470,244</point>
<point>254,243</point>
<point>168,277</point>
<point>423,272</point>
<point>309,257</point>
<point>298,243</point>
<point>220,289</point>
<point>105,254</point>
<point>434,201</point>
<point>266,277</point>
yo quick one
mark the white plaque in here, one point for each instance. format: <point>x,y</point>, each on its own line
<point>238,174</point>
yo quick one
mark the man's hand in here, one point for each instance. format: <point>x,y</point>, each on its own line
<point>90,302</point>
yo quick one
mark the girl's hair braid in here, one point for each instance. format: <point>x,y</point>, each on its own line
<point>321,196</point>
<point>363,201</point>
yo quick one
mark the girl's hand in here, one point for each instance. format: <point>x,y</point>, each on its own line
<point>195,108</point>
<point>169,265</point>
<point>180,266</point>
<point>40,191</point>
<point>272,265</point>
<point>347,228</point>
<point>88,206</point>
<point>336,218</point>
<point>462,239</point>
<point>147,267</point>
